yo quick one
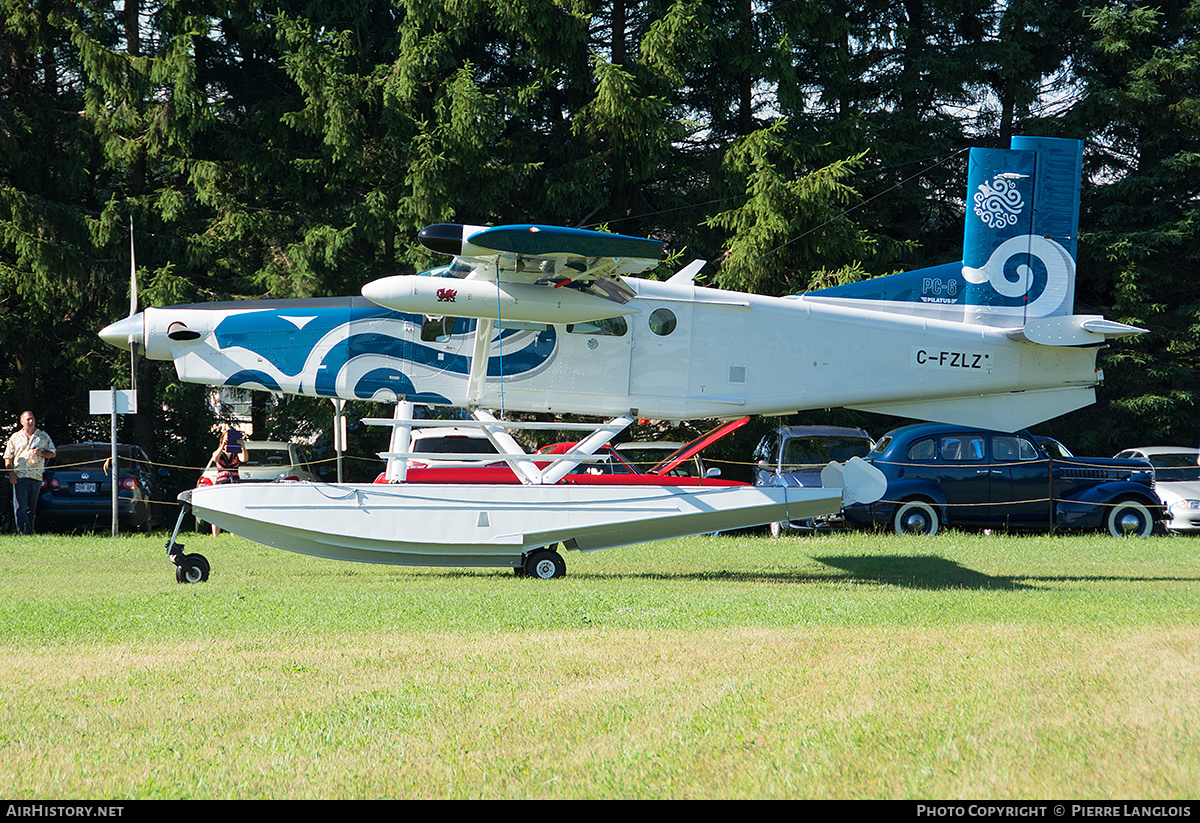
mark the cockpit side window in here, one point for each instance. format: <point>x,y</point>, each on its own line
<point>607,327</point>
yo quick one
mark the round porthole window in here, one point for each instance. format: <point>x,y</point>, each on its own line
<point>662,321</point>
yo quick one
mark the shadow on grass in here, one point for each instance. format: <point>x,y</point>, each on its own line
<point>914,572</point>
<point>920,572</point>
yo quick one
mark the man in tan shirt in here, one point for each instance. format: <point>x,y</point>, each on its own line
<point>25,456</point>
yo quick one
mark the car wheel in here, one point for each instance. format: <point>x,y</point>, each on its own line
<point>1129,518</point>
<point>776,528</point>
<point>916,517</point>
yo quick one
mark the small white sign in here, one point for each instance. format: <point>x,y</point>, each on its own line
<point>102,401</point>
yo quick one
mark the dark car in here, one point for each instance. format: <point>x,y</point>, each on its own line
<point>77,488</point>
<point>941,475</point>
<point>795,455</point>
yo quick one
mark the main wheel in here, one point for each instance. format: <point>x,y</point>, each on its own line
<point>776,528</point>
<point>545,564</point>
<point>916,517</point>
<point>1129,518</point>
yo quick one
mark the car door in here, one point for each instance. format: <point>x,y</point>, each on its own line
<point>964,475</point>
<point>1020,483</point>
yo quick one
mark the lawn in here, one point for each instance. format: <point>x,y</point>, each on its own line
<point>843,666</point>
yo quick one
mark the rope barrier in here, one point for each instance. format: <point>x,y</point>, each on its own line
<point>1076,463</point>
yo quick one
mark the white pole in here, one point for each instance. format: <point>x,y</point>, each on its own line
<point>338,432</point>
<point>113,460</point>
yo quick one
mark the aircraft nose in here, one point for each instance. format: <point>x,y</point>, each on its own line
<point>125,332</point>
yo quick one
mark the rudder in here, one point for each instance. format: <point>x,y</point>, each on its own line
<point>1019,243</point>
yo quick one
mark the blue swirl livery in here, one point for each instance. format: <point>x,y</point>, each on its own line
<point>1019,242</point>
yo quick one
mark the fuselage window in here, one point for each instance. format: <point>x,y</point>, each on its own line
<point>662,322</point>
<point>608,327</point>
<point>437,329</point>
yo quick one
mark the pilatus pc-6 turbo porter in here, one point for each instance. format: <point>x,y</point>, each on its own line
<point>544,319</point>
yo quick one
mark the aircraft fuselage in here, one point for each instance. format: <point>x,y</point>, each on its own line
<point>688,352</point>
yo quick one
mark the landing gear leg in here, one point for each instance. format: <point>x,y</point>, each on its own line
<point>189,568</point>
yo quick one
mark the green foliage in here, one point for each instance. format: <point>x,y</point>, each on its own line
<point>1142,94</point>
<point>789,214</point>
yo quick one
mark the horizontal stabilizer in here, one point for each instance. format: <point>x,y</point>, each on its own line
<point>1073,330</point>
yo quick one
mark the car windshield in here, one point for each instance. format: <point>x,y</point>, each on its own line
<point>267,457</point>
<point>815,452</point>
<point>613,465</point>
<point>89,458</point>
<point>454,445</point>
<point>1175,467</point>
<point>646,459</point>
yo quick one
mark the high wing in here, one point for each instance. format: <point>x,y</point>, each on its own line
<point>592,261</point>
<point>525,273</point>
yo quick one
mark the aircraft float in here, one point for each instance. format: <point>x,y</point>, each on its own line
<point>535,318</point>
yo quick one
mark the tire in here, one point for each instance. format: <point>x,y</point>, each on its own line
<point>916,517</point>
<point>192,568</point>
<point>1129,518</point>
<point>545,564</point>
<point>777,528</point>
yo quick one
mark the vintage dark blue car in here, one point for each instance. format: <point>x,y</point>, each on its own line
<point>941,475</point>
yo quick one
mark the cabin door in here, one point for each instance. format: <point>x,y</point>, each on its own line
<point>662,350</point>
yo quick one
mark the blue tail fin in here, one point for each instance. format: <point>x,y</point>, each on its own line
<point>1019,242</point>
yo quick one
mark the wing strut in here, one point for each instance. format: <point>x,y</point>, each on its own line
<point>477,379</point>
<point>528,467</point>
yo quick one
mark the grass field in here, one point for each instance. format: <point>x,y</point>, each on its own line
<point>845,666</point>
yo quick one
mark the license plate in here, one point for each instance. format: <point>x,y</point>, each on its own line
<point>85,488</point>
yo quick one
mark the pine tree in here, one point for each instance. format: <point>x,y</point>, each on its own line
<point>56,255</point>
<point>1141,107</point>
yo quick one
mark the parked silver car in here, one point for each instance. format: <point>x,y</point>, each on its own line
<point>1177,482</point>
<point>268,461</point>
<point>795,455</point>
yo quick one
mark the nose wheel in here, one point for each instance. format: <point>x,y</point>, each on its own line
<point>189,568</point>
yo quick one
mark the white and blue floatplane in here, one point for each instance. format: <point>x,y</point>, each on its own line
<point>537,318</point>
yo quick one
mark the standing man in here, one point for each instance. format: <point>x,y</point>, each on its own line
<point>25,458</point>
